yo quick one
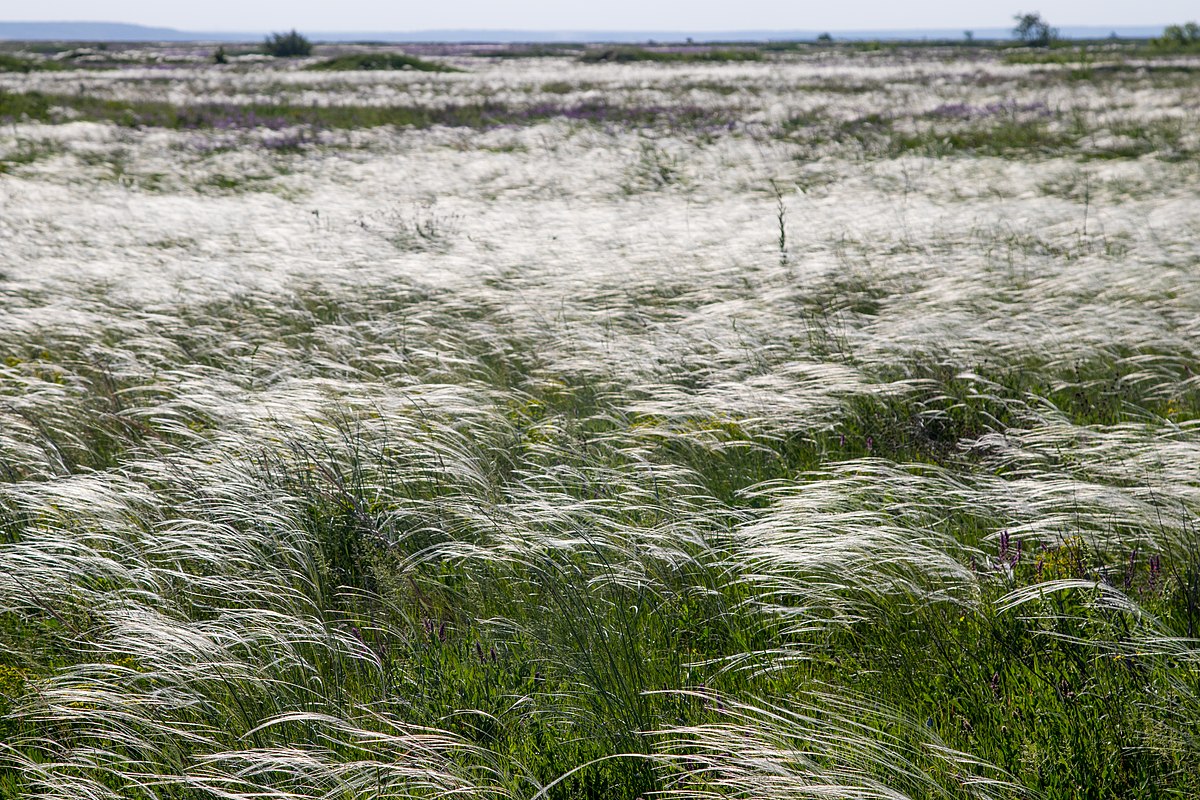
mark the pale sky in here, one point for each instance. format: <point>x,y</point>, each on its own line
<point>691,15</point>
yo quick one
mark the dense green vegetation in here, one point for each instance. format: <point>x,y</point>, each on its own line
<point>624,55</point>
<point>377,61</point>
<point>11,63</point>
<point>1178,39</point>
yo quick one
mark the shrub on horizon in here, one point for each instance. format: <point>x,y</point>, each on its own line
<point>1033,30</point>
<point>287,45</point>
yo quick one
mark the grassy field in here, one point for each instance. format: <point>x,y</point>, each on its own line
<point>582,423</point>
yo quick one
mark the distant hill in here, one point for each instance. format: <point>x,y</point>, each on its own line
<point>120,32</point>
<point>90,31</point>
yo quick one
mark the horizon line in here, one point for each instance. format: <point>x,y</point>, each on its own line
<point>557,30</point>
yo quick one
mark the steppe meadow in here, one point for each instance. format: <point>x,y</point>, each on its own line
<point>556,422</point>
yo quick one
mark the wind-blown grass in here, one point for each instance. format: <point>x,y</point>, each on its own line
<point>525,457</point>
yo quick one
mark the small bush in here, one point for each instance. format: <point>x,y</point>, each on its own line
<point>381,61</point>
<point>287,45</point>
